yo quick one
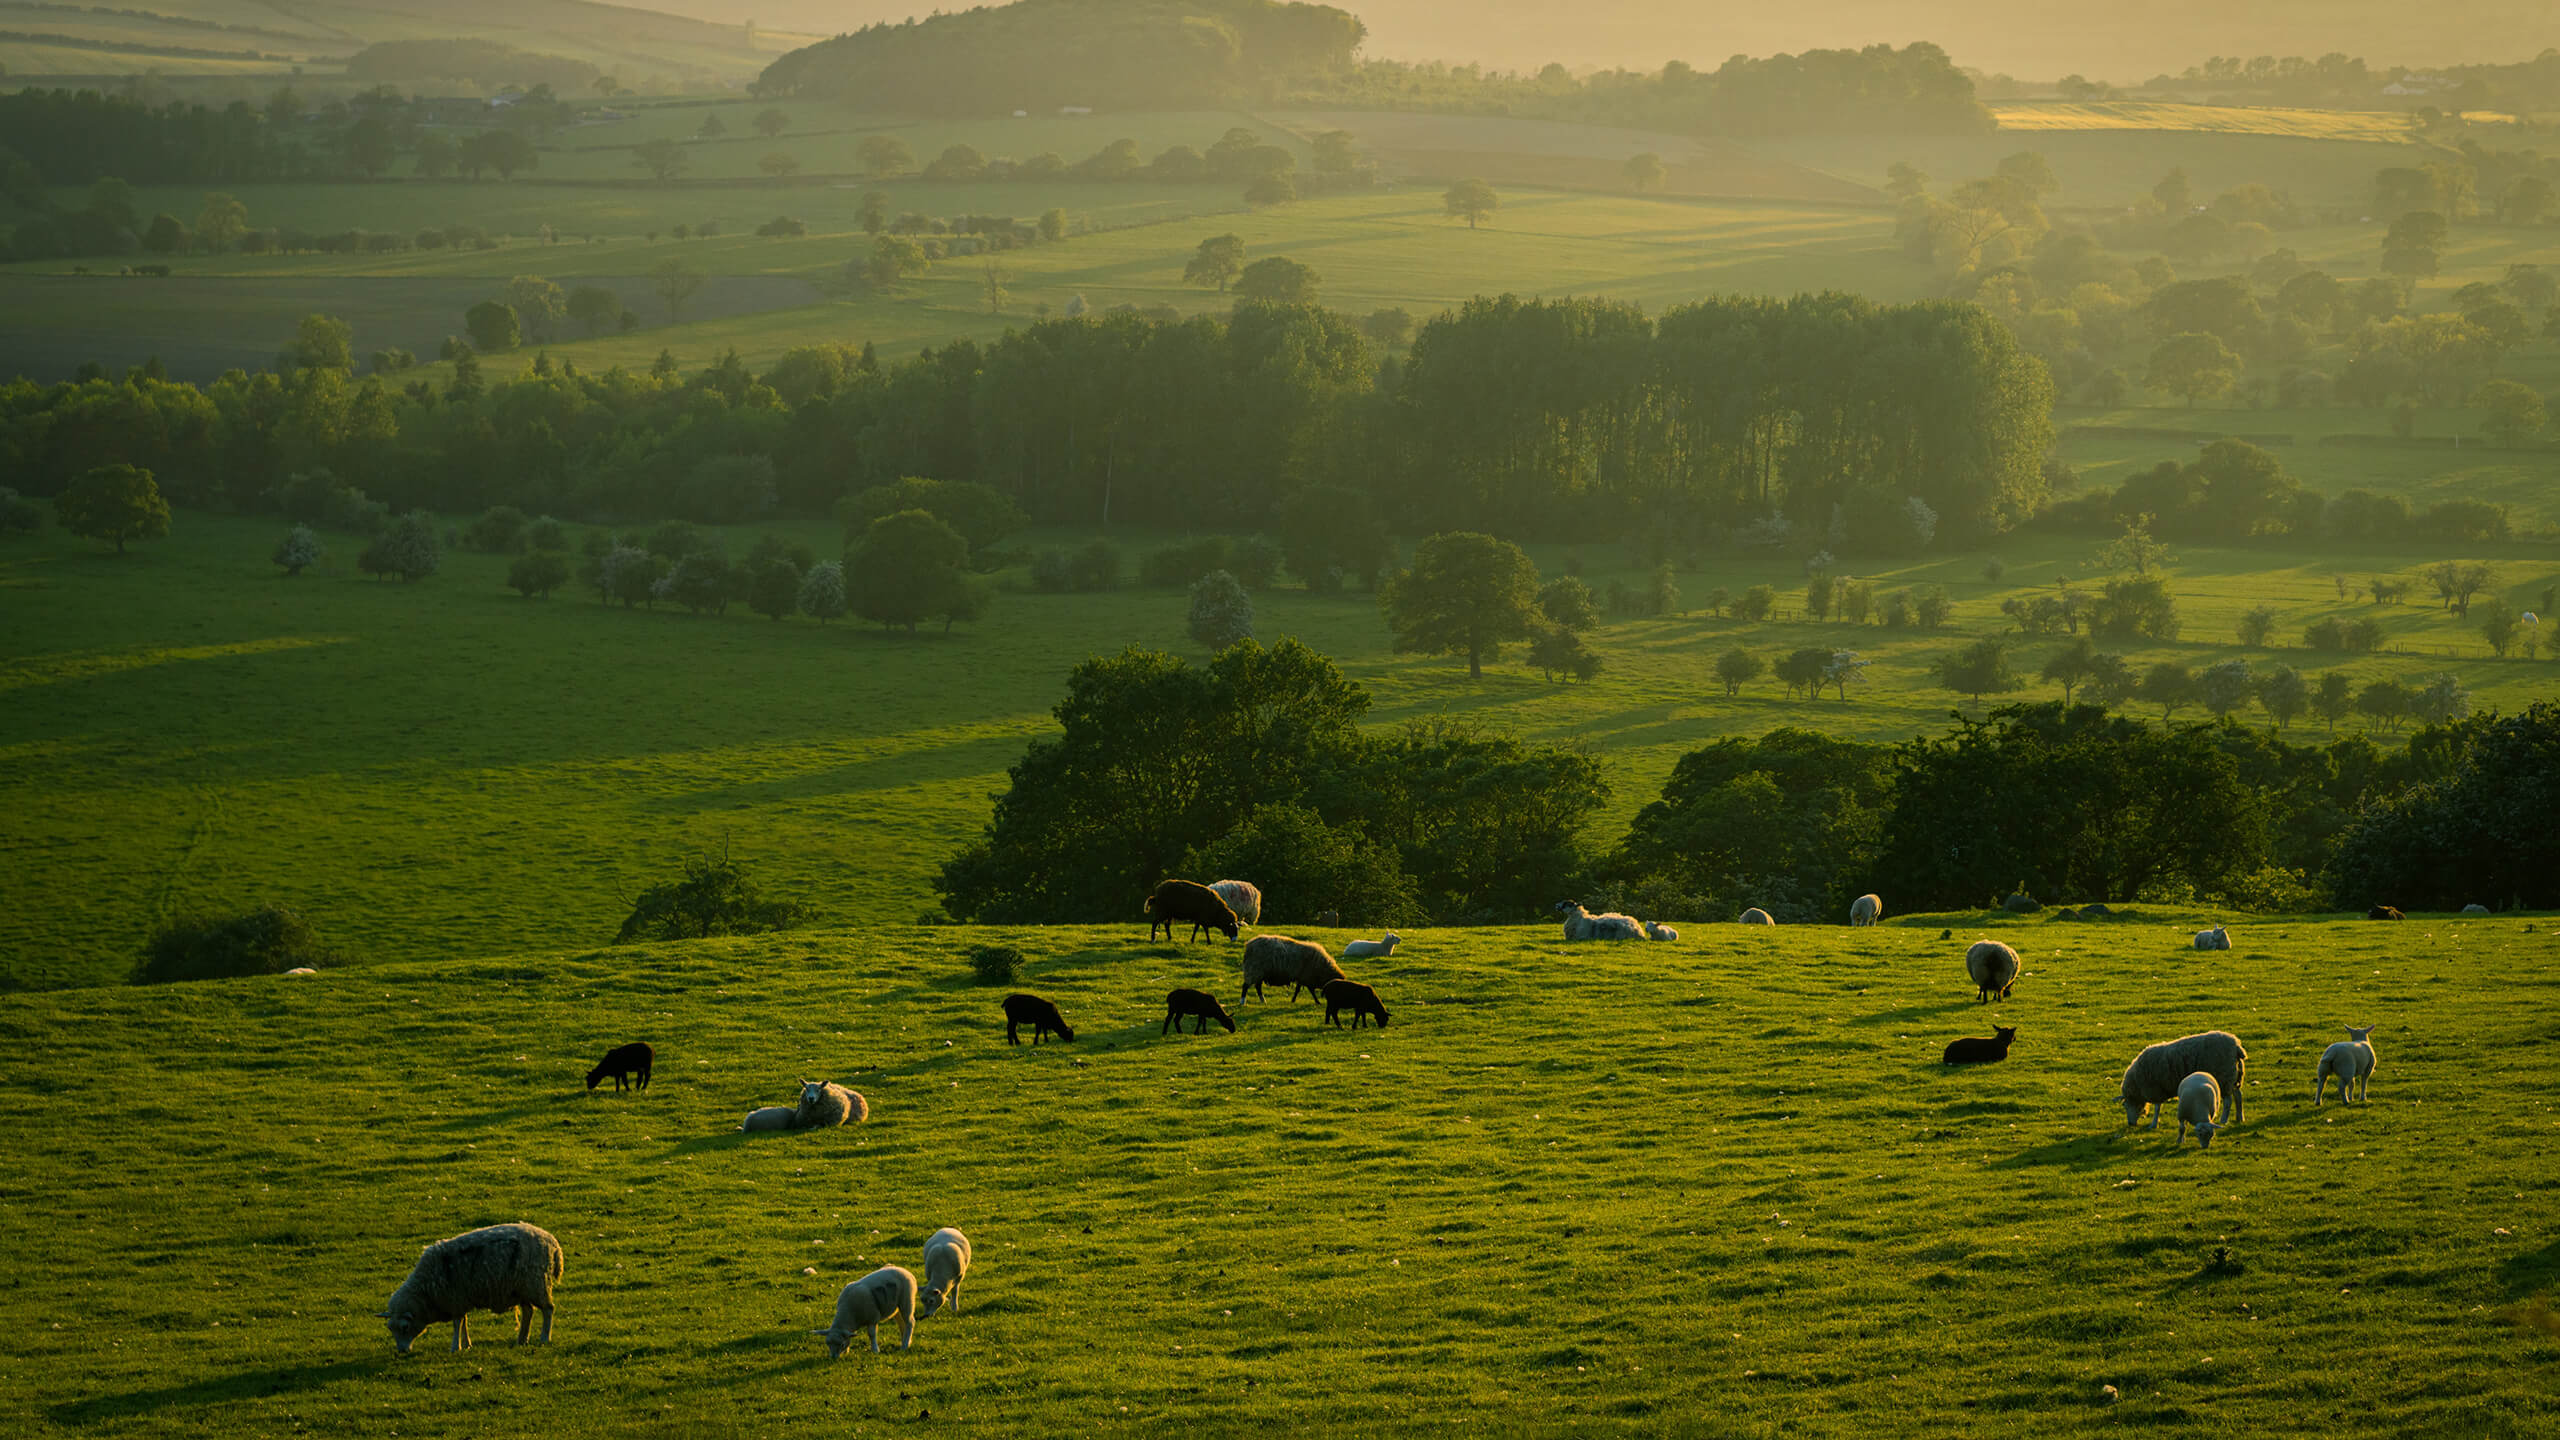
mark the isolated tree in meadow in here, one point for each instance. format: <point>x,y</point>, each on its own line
<point>505,151</point>
<point>2412,246</point>
<point>676,282</point>
<point>2071,667</point>
<point>321,342</point>
<point>2168,685</point>
<point>712,126</point>
<point>1979,669</point>
<point>2257,624</point>
<point>2385,703</point>
<point>2135,550</point>
<point>661,158</point>
<point>1464,595</point>
<point>493,326</point>
<point>1569,604</point>
<point>537,302</point>
<point>2441,701</point>
<point>1738,667</point>
<point>1218,261</point>
<point>221,223</point>
<point>2284,695</point>
<point>880,156</point>
<point>822,596</point>
<point>1645,173</point>
<point>1556,651</point>
<point>2510,413</point>
<point>1264,191</point>
<point>2456,581</point>
<point>2333,699</point>
<point>1471,199</point>
<point>893,258</point>
<point>905,569</point>
<point>595,307</point>
<point>771,123</point>
<point>115,503</point>
<point>298,551</point>
<point>2499,625</point>
<point>2193,364</point>
<point>536,575</point>
<point>1221,613</point>
<point>871,212</point>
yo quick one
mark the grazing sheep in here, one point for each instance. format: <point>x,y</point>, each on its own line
<point>2384,912</point>
<point>1198,1005</point>
<point>823,1106</point>
<point>1371,949</point>
<point>1993,967</point>
<point>1359,999</point>
<point>1272,959</point>
<point>2475,909</point>
<point>1581,924</point>
<point>1654,931</point>
<point>946,1264</point>
<point>1757,916</point>
<point>1179,900</point>
<point>1866,910</point>
<point>632,1059</point>
<point>888,1293</point>
<point>2153,1077</point>
<point>771,1117</point>
<point>1329,919</point>
<point>2199,1098</point>
<point>2351,1060</point>
<point>2217,938</point>
<point>1039,1014</point>
<point>1243,897</point>
<point>1975,1050</point>
<point>499,1267</point>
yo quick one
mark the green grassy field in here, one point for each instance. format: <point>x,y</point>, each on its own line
<point>447,769</point>
<point>1717,1188</point>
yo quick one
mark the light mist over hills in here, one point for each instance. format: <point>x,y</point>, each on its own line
<point>2027,38</point>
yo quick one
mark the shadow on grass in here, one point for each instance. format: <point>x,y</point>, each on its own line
<point>256,1383</point>
<point>2532,1272</point>
<point>497,1119</point>
<point>1910,1013</point>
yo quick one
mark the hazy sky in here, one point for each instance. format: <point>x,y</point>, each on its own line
<point>2033,39</point>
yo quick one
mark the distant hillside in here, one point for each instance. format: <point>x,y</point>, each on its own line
<point>1045,54</point>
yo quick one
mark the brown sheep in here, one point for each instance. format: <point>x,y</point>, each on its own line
<point>1274,958</point>
<point>1359,999</point>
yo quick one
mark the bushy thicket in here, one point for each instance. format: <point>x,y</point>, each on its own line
<point>713,897</point>
<point>268,940</point>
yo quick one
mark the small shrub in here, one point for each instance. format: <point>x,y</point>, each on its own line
<point>996,964</point>
<point>266,941</point>
<point>547,534</point>
<point>1094,567</point>
<point>1221,613</point>
<point>1179,565</point>
<point>18,514</point>
<point>499,531</point>
<point>2258,624</point>
<point>715,897</point>
<point>1755,603</point>
<point>538,574</point>
<point>299,550</point>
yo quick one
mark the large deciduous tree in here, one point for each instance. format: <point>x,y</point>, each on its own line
<point>115,503</point>
<point>1465,594</point>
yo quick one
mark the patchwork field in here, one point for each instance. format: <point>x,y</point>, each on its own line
<point>1714,1188</point>
<point>445,769</point>
<point>2044,115</point>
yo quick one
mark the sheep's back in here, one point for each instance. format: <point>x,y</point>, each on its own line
<point>497,1267</point>
<point>1243,898</point>
<point>2155,1074</point>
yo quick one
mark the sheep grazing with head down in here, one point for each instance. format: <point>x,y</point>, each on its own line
<point>2217,938</point>
<point>2351,1060</point>
<point>634,1059</point>
<point>1039,1014</point>
<point>1175,901</point>
<point>823,1106</point>
<point>888,1293</point>
<point>1654,931</point>
<point>1371,949</point>
<point>2153,1078</point>
<point>1757,916</point>
<point>1198,1006</point>
<point>1278,960</point>
<point>2199,1099</point>
<point>946,1264</point>
<point>500,1267</point>
<point>1581,924</point>
<point>1866,910</point>
<point>1243,897</point>
<point>1359,999</point>
<point>1993,968</point>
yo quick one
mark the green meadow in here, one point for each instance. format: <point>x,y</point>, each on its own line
<point>446,769</point>
<point>1720,1187</point>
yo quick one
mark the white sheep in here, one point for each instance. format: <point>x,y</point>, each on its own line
<point>888,1293</point>
<point>2475,909</point>
<point>2199,1099</point>
<point>1581,924</point>
<point>2153,1077</point>
<point>824,1105</point>
<point>1866,910</point>
<point>302,970</point>
<point>1367,949</point>
<point>497,1267</point>
<point>2351,1060</point>
<point>1757,916</point>
<point>1243,897</point>
<point>771,1117</point>
<point>1655,930</point>
<point>1993,968</point>
<point>2217,938</point>
<point>946,1264</point>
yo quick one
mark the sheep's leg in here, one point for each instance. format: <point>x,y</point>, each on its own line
<point>907,1330</point>
<point>546,1321</point>
<point>461,1334</point>
<point>955,1297</point>
<point>524,1322</point>
<point>874,1328</point>
<point>1011,1035</point>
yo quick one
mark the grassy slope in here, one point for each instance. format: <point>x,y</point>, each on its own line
<point>447,769</point>
<point>1719,1189</point>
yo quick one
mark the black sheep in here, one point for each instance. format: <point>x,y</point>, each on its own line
<point>1359,999</point>
<point>1178,900</point>
<point>1039,1014</point>
<point>632,1059</point>
<point>1975,1050</point>
<point>2384,912</point>
<point>1196,1004</point>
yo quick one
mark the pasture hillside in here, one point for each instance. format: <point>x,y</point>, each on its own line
<point>444,768</point>
<point>1721,1187</point>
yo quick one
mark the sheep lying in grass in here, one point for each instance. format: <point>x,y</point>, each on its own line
<point>771,1117</point>
<point>1866,910</point>
<point>1581,924</point>
<point>2152,1079</point>
<point>2199,1098</point>
<point>2351,1060</point>
<point>500,1267</point>
<point>1993,968</point>
<point>823,1106</point>
<point>2217,938</point>
<point>2475,909</point>
<point>1654,931</point>
<point>1371,949</point>
<point>888,1293</point>
<point>1243,897</point>
<point>1196,1005</point>
<point>1275,959</point>
<point>1975,1050</point>
<point>1757,916</point>
<point>946,1264</point>
<point>1359,999</point>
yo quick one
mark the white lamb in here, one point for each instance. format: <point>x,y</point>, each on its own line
<point>771,1117</point>
<point>2199,1098</point>
<point>1242,896</point>
<point>888,1293</point>
<point>1655,930</point>
<point>2217,938</point>
<point>946,1264</point>
<point>2351,1060</point>
<point>1365,949</point>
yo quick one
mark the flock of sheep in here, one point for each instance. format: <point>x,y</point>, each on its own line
<point>514,1266</point>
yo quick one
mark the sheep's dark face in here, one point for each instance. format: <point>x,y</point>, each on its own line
<point>2004,1033</point>
<point>594,1078</point>
<point>405,1328</point>
<point>1230,928</point>
<point>1227,1020</point>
